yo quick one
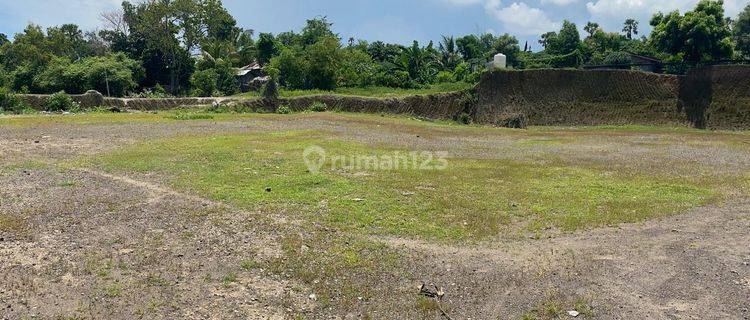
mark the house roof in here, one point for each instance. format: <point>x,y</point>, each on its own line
<point>652,59</point>
<point>250,67</point>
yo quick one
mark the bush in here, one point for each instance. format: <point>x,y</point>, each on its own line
<point>270,90</point>
<point>394,79</point>
<point>115,74</point>
<point>512,120</point>
<point>60,101</point>
<point>474,76</point>
<point>464,118</point>
<point>462,71</point>
<point>444,77</point>
<point>227,82</point>
<point>204,82</point>
<point>10,102</point>
<point>318,107</point>
<point>284,110</point>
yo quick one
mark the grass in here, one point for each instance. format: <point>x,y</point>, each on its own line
<point>11,223</point>
<point>190,116</point>
<point>376,92</point>
<point>503,195</point>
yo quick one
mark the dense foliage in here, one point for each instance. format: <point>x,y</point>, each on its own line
<point>194,47</point>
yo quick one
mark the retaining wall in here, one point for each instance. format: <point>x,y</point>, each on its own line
<point>714,97</point>
<point>580,97</point>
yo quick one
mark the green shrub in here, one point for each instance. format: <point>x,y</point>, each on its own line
<point>444,77</point>
<point>512,120</point>
<point>394,79</point>
<point>60,101</point>
<point>284,110</point>
<point>10,102</point>
<point>270,90</point>
<point>318,107</point>
<point>114,74</point>
<point>204,82</point>
<point>464,118</point>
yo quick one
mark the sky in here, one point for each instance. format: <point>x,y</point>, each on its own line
<point>397,21</point>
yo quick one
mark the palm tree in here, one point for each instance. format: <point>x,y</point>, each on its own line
<point>630,28</point>
<point>449,55</point>
<point>418,62</point>
<point>591,28</point>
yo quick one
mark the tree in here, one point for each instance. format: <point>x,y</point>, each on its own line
<point>323,58</point>
<point>417,62</point>
<point>630,28</point>
<point>700,35</point>
<point>470,47</point>
<point>292,69</point>
<point>267,48</point>
<point>317,29</point>
<point>507,45</point>
<point>449,56</point>
<point>163,34</point>
<point>357,68</point>
<point>591,28</point>
<point>67,41</point>
<point>741,32</point>
<point>565,42</point>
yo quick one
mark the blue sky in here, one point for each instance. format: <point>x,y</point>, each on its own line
<point>398,21</point>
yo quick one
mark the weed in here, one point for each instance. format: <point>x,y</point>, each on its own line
<point>464,118</point>
<point>318,107</point>
<point>284,110</point>
<point>229,279</point>
<point>248,265</point>
<point>113,290</point>
<point>190,116</point>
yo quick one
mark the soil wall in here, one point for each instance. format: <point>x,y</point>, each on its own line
<point>717,97</point>
<point>713,97</point>
<point>580,97</point>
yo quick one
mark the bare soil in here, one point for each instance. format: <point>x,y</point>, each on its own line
<point>79,243</point>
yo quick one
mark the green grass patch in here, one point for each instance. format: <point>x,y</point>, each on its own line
<point>190,116</point>
<point>471,199</point>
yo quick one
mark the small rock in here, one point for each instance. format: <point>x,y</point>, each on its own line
<point>36,141</point>
<point>313,296</point>
<point>573,313</point>
<point>358,199</point>
<point>268,189</point>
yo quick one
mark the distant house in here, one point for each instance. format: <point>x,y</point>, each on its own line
<point>251,77</point>
<point>637,62</point>
<point>646,63</point>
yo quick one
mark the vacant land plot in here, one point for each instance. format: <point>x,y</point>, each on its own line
<point>201,215</point>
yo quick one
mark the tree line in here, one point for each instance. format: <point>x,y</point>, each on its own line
<point>194,47</point>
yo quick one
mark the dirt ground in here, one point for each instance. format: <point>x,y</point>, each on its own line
<point>79,243</point>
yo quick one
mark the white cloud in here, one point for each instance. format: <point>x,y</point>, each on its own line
<point>463,2</point>
<point>519,18</point>
<point>559,2</point>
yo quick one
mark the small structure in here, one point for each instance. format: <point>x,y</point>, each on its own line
<point>645,63</point>
<point>251,77</point>
<point>637,62</point>
<point>500,61</point>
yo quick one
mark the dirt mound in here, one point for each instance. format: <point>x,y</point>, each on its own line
<point>577,97</point>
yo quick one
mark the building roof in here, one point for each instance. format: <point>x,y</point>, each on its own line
<point>248,68</point>
<point>652,59</point>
